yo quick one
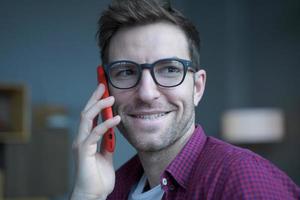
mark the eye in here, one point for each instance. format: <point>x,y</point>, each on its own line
<point>123,71</point>
<point>172,69</point>
<point>169,69</point>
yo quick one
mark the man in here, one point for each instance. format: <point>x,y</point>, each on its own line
<point>151,56</point>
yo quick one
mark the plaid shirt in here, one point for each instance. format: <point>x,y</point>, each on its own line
<point>207,168</point>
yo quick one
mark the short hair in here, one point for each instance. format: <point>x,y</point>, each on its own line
<point>127,13</point>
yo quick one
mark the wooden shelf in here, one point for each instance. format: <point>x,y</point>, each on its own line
<point>14,113</point>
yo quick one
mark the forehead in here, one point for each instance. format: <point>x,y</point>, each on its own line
<point>148,43</point>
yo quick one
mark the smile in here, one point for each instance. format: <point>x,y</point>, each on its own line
<point>149,116</point>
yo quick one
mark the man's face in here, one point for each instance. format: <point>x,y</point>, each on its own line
<point>153,117</point>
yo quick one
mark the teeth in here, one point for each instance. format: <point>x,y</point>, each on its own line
<point>153,116</point>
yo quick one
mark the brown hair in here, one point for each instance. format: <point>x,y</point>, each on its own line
<point>126,13</point>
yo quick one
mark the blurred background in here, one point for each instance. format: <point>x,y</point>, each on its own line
<point>48,57</point>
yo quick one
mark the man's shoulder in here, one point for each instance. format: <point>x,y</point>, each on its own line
<point>216,149</point>
<point>232,158</point>
<point>237,172</point>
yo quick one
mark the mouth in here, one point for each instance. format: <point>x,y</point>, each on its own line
<point>149,116</point>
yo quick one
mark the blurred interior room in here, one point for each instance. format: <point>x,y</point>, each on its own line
<point>48,58</point>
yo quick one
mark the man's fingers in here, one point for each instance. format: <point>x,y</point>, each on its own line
<point>97,94</point>
<point>99,130</point>
<point>94,110</point>
<point>87,117</point>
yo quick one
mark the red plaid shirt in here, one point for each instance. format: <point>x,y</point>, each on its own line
<point>207,168</point>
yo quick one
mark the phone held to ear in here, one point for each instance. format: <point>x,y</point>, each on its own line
<point>109,137</point>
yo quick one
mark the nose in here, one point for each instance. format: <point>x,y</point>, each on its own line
<point>147,88</point>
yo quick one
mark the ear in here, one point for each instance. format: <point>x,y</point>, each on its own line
<point>200,79</point>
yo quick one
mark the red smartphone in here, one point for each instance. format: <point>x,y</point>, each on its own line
<point>109,136</point>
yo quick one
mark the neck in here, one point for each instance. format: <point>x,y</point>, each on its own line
<point>154,163</point>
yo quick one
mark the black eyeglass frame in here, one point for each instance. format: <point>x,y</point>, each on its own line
<point>187,65</point>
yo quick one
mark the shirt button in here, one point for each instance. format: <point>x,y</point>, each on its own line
<point>164,181</point>
<point>171,187</point>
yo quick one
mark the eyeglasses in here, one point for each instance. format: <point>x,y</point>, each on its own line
<point>168,72</point>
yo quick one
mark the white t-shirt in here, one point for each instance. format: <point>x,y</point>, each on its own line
<point>137,193</point>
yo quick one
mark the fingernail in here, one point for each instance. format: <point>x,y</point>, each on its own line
<point>111,98</point>
<point>101,85</point>
<point>117,117</point>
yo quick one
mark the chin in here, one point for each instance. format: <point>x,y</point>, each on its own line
<point>145,140</point>
<point>150,147</point>
<point>152,143</point>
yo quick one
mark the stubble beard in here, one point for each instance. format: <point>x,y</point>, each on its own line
<point>172,133</point>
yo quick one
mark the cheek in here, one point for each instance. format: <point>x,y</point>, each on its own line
<point>185,96</point>
<point>184,92</point>
<point>121,98</point>
<point>182,99</point>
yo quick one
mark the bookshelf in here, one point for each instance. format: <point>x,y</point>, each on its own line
<point>14,113</point>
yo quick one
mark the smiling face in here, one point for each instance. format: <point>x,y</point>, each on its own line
<point>153,117</point>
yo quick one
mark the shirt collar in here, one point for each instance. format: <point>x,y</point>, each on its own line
<point>182,166</point>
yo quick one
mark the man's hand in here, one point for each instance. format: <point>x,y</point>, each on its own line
<point>95,174</point>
